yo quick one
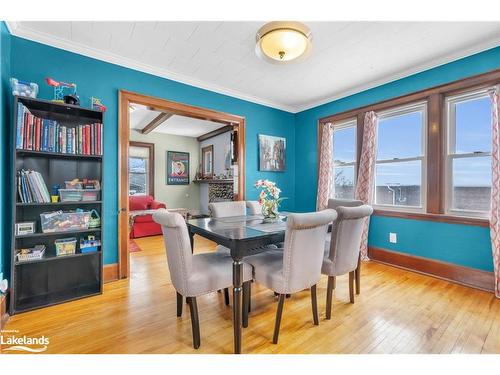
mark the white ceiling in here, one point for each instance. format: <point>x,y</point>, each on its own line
<point>347,57</point>
<point>175,125</point>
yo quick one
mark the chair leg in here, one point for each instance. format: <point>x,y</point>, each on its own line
<point>358,276</point>
<point>277,324</point>
<point>351,286</point>
<point>250,296</point>
<point>246,303</point>
<point>226,296</point>
<point>329,296</point>
<point>179,304</point>
<point>195,323</point>
<point>314,303</point>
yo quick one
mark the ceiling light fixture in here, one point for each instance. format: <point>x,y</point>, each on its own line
<point>283,41</point>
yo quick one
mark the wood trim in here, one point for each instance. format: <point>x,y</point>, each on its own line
<point>435,164</point>
<point>214,133</point>
<point>435,217</point>
<point>157,121</point>
<point>125,98</point>
<point>4,316</point>
<point>451,272</point>
<point>151,164</point>
<point>110,272</point>
<point>452,88</point>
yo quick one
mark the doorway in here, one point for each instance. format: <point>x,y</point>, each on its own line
<point>167,109</point>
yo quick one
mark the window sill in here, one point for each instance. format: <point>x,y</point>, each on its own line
<point>481,222</point>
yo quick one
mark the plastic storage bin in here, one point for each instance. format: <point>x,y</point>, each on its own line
<point>77,195</point>
<point>60,221</point>
<point>65,246</point>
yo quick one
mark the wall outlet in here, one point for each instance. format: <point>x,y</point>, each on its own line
<point>393,237</point>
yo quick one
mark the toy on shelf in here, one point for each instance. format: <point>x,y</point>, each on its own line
<point>23,88</point>
<point>97,105</point>
<point>64,92</point>
<point>89,244</point>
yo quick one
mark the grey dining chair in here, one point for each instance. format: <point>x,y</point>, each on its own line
<point>341,255</point>
<point>195,275</point>
<point>298,266</point>
<point>334,203</point>
<point>254,208</point>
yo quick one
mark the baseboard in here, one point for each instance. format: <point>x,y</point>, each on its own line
<point>110,272</point>
<point>4,316</point>
<point>450,272</point>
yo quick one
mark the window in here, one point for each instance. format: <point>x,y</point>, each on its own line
<point>140,170</point>
<point>468,161</point>
<point>400,166</point>
<point>344,160</point>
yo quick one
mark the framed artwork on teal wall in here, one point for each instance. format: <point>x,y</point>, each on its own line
<point>271,153</point>
<point>177,168</point>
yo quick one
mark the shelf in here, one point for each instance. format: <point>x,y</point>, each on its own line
<point>59,233</point>
<point>48,154</point>
<point>19,204</point>
<point>54,298</point>
<point>214,181</point>
<point>55,258</point>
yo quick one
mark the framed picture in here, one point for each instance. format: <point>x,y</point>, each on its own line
<point>207,161</point>
<point>177,168</point>
<point>271,153</point>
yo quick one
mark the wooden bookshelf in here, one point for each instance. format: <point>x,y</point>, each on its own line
<point>54,279</point>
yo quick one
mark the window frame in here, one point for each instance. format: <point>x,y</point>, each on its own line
<point>400,111</point>
<point>150,174</point>
<point>342,125</point>
<point>449,156</point>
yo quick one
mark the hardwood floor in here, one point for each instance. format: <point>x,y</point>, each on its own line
<point>397,312</point>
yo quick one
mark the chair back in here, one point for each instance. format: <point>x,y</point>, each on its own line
<point>178,247</point>
<point>304,248</point>
<point>346,237</point>
<point>254,208</point>
<point>334,203</point>
<point>226,209</point>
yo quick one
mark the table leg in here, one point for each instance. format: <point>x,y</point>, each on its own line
<point>237,308</point>
<point>191,240</point>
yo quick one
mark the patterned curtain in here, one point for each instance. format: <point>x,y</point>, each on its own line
<point>366,172</point>
<point>325,171</point>
<point>495,188</point>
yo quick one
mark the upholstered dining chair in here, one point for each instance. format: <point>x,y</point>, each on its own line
<point>334,203</point>
<point>254,208</point>
<point>342,255</point>
<point>226,209</point>
<point>194,275</point>
<point>298,266</point>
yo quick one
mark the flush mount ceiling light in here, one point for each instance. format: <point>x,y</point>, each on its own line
<point>283,41</point>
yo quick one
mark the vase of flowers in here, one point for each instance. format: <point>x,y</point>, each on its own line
<point>269,199</point>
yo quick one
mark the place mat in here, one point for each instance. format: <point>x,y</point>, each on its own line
<point>269,227</point>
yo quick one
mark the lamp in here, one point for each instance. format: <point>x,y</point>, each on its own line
<point>283,41</point>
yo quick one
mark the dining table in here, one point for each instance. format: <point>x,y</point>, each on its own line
<point>243,236</point>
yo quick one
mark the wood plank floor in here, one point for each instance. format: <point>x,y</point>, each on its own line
<point>397,312</point>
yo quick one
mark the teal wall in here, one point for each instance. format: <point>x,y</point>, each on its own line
<point>4,158</point>
<point>423,238</point>
<point>33,62</point>
<point>459,244</point>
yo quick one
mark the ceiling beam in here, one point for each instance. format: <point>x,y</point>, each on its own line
<point>157,121</point>
<point>215,132</point>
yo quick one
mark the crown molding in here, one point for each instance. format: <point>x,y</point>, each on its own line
<point>81,49</point>
<point>16,29</point>
<point>481,47</point>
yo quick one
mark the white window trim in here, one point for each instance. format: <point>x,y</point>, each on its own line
<point>350,123</point>
<point>450,154</point>
<point>399,111</point>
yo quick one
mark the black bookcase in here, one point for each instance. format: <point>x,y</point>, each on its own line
<point>54,279</point>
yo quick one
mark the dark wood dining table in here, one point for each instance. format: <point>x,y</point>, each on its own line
<point>243,235</point>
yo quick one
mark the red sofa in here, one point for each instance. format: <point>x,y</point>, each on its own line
<point>143,225</point>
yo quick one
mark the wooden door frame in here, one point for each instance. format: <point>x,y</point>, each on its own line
<point>125,98</point>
